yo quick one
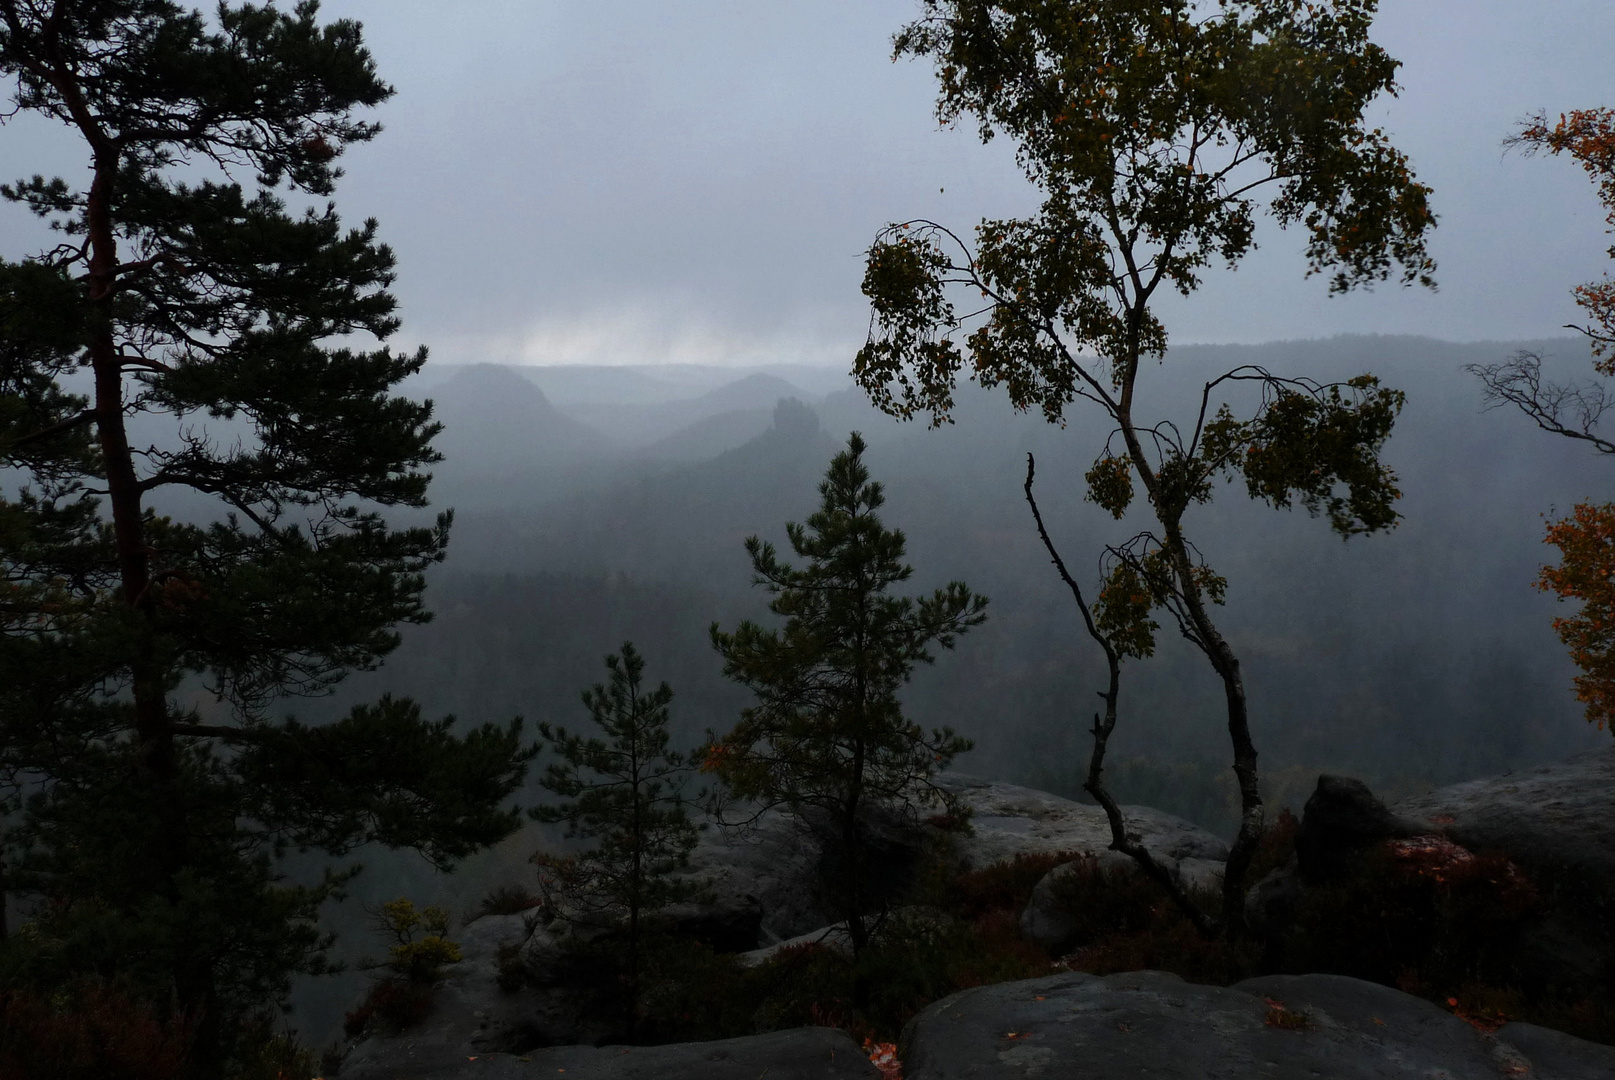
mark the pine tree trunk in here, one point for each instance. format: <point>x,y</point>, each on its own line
<point>156,760</point>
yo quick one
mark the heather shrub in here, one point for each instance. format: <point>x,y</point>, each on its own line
<point>89,1032</point>
<point>1002,886</point>
<point>1423,913</point>
<point>391,1005</point>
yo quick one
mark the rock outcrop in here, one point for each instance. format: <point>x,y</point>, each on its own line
<point>472,1016</point>
<point>1341,819</point>
<point>1279,1027</point>
<point>1553,819</point>
<point>762,890</point>
<point>798,1054</point>
<point>770,867</point>
<point>1008,820</point>
<point>1555,822</point>
<point>774,864</point>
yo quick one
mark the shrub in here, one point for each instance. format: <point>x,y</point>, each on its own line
<point>268,1052</point>
<point>421,947</point>
<point>419,951</point>
<point>393,1005</point>
<point>1425,914</point>
<point>916,957</point>
<point>89,1032</point>
<point>1003,886</point>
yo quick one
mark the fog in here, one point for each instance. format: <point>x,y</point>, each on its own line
<point>587,514</point>
<point>597,505</point>
<point>632,235</point>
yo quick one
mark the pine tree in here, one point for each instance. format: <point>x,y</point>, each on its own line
<point>140,654</point>
<point>827,739</point>
<point>624,792</point>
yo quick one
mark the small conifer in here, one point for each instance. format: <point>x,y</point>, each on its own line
<point>827,739</point>
<point>625,792</point>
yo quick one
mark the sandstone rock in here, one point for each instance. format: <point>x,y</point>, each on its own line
<point>800,1054</point>
<point>770,867</point>
<point>1552,818</point>
<point>1201,875</point>
<point>1271,903</point>
<point>472,1016</point>
<point>773,866</point>
<point>1341,819</point>
<point>1008,820</point>
<point>1047,920</point>
<point>1554,821</point>
<point>831,937</point>
<point>1154,1024</point>
<point>1557,1055</point>
<point>728,923</point>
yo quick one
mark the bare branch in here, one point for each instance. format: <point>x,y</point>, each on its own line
<point>1571,411</point>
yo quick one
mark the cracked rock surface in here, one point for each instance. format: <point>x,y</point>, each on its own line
<point>1289,1027</point>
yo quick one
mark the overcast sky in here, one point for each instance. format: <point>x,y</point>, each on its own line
<point>626,181</point>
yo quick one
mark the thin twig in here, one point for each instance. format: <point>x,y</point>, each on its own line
<point>1120,840</point>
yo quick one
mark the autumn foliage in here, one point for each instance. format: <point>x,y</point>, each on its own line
<point>1586,539</point>
<point>1586,572</point>
<point>1588,136</point>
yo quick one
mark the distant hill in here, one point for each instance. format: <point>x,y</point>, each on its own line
<point>680,523</point>
<point>1425,651</point>
<point>503,439</point>
<point>710,436</point>
<point>641,425</point>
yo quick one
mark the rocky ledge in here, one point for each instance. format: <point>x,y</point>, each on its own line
<point>799,1054</point>
<point>1553,820</point>
<point>1285,1027</point>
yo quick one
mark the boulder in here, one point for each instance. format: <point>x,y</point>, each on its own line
<point>799,1054</point>
<point>1552,819</point>
<point>1007,820</point>
<point>768,867</point>
<point>1047,920</point>
<point>1270,904</point>
<point>1280,1027</point>
<point>1341,819</point>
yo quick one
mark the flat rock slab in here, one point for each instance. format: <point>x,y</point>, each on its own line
<point>1150,1024</point>
<point>798,1054</point>
<point>1553,817</point>
<point>1008,820</point>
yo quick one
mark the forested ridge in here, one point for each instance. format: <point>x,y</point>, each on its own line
<point>1027,643</point>
<point>1430,636</point>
